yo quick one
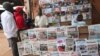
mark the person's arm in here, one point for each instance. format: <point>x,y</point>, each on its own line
<point>36,21</point>
<point>46,21</point>
<point>11,24</point>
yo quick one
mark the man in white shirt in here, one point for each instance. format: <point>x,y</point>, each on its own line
<point>9,27</point>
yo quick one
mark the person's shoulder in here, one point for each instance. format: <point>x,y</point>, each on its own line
<point>6,15</point>
<point>44,16</point>
<point>36,17</point>
<point>3,13</point>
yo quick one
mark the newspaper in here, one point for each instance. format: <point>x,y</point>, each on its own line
<point>64,8</point>
<point>45,2</point>
<point>51,34</point>
<point>47,10</point>
<point>69,44</point>
<point>98,47</point>
<point>24,35</point>
<point>42,35</point>
<point>52,47</point>
<point>72,32</point>
<point>43,45</point>
<point>61,44</point>
<point>32,35</point>
<point>36,47</point>
<point>92,46</point>
<point>27,47</point>
<point>81,47</point>
<point>65,54</point>
<point>69,53</point>
<point>54,54</point>
<point>45,53</point>
<point>20,48</point>
<point>94,32</point>
<point>61,32</point>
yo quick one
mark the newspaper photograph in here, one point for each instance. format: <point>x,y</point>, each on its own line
<point>92,46</point>
<point>42,35</point>
<point>81,47</point>
<point>52,46</point>
<point>43,47</point>
<point>70,45</point>
<point>51,34</point>
<point>32,35</point>
<point>61,44</point>
<point>72,32</point>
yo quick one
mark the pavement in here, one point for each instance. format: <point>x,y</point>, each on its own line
<point>4,47</point>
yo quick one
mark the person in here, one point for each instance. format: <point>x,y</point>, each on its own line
<point>78,20</point>
<point>19,18</point>
<point>9,27</point>
<point>41,20</point>
<point>20,21</point>
<point>28,18</point>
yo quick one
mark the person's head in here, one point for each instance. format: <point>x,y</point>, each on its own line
<point>8,6</point>
<point>19,10</point>
<point>40,12</point>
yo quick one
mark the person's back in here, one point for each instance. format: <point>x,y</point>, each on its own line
<point>19,18</point>
<point>8,23</point>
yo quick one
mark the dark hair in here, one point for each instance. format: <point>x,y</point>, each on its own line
<point>7,6</point>
<point>80,17</point>
<point>40,12</point>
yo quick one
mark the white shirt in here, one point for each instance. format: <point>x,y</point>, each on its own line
<point>41,21</point>
<point>9,25</point>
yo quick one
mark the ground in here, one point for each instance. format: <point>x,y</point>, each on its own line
<point>4,48</point>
